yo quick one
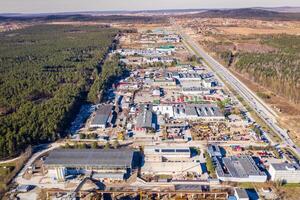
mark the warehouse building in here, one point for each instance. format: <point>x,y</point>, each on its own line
<point>189,76</point>
<point>168,49</point>
<point>205,112</point>
<point>171,39</point>
<point>169,161</point>
<point>115,164</point>
<point>145,121</point>
<point>286,172</point>
<point>241,194</point>
<point>166,110</point>
<point>239,169</point>
<point>104,115</point>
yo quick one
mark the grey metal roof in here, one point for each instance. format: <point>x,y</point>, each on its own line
<point>90,157</point>
<point>190,110</point>
<point>208,110</point>
<point>145,118</point>
<point>241,193</point>
<point>286,166</point>
<point>163,80</point>
<point>242,167</point>
<point>200,110</point>
<point>102,115</point>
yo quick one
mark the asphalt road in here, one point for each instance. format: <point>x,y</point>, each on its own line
<point>263,110</point>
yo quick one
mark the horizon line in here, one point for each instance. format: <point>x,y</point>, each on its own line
<point>141,10</point>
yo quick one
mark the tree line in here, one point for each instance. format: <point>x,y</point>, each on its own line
<point>109,73</point>
<point>45,73</point>
<point>277,70</point>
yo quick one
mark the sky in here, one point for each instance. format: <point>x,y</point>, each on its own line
<point>46,6</point>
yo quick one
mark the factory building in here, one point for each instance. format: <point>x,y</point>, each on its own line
<point>145,121</point>
<point>164,110</point>
<point>241,194</point>
<point>102,164</point>
<point>239,169</point>
<point>169,49</point>
<point>206,112</point>
<point>103,117</point>
<point>171,39</point>
<point>169,161</point>
<point>286,172</point>
<point>189,76</point>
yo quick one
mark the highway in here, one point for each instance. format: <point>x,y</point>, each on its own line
<point>262,109</point>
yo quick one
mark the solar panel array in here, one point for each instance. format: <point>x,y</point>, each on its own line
<point>190,187</point>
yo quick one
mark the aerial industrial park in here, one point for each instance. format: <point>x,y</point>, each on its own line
<point>148,112</point>
<point>170,127</point>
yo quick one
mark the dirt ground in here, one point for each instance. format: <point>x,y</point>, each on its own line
<point>290,193</point>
